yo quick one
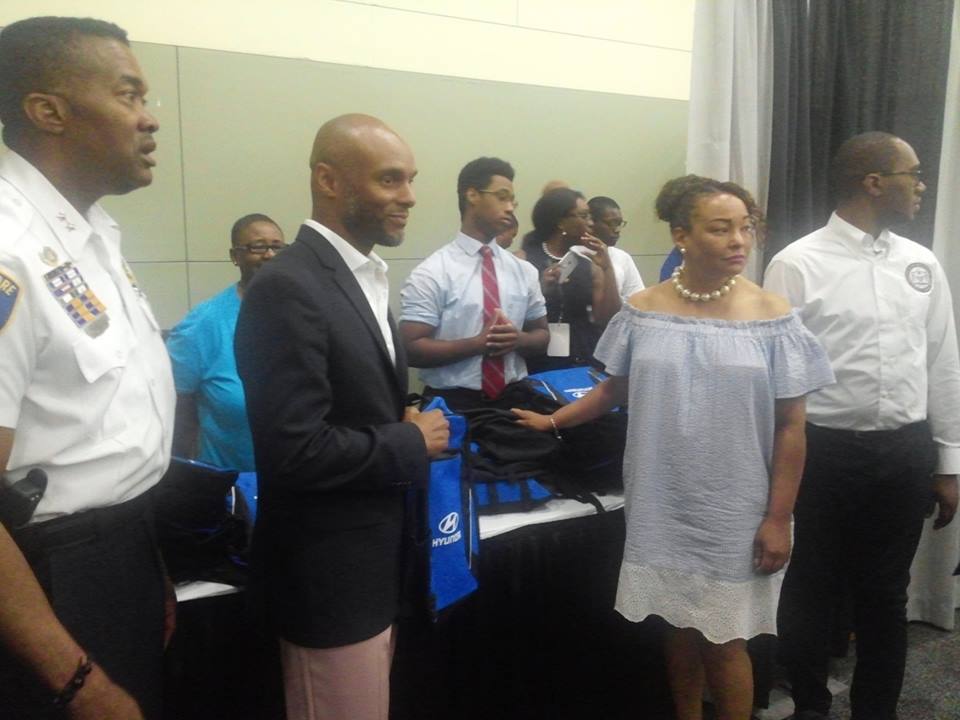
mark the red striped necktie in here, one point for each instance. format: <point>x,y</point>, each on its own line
<point>491,368</point>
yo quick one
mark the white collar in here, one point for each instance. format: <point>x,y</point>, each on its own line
<point>859,241</point>
<point>472,246</point>
<point>354,259</point>
<point>72,229</point>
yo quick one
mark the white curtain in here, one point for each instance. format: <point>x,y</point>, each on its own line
<point>729,135</point>
<point>934,591</point>
<point>731,97</point>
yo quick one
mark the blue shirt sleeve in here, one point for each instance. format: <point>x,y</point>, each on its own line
<point>421,299</point>
<point>536,304</point>
<point>186,355</point>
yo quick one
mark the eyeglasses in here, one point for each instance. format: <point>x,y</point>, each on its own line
<point>504,196</point>
<point>615,224</point>
<point>916,174</point>
<point>260,249</point>
<point>583,215</point>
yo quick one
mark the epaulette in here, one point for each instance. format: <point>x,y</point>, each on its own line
<point>16,214</point>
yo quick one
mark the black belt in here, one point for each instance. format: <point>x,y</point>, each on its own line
<point>917,428</point>
<point>82,526</point>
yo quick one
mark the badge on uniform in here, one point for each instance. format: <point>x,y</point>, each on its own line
<point>49,256</point>
<point>919,277</point>
<point>85,309</point>
<point>9,293</point>
<point>133,280</point>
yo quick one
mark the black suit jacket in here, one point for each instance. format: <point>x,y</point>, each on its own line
<point>333,456</point>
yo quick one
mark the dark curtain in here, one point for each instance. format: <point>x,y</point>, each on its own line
<point>843,67</point>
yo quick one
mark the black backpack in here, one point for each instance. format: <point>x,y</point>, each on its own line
<point>200,537</point>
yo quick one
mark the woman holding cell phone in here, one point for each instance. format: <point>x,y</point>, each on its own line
<point>576,275</point>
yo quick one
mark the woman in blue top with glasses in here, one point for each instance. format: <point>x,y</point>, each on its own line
<point>210,399</point>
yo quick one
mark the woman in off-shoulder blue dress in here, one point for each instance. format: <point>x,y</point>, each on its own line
<point>714,371</point>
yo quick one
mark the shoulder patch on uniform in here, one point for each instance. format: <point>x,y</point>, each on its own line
<point>919,277</point>
<point>9,293</point>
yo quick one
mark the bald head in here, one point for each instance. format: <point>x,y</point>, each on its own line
<point>360,178</point>
<point>554,185</point>
<point>339,140</point>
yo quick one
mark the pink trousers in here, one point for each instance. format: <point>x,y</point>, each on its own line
<point>342,683</point>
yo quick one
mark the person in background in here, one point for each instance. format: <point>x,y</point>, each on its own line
<point>551,185</point>
<point>210,399</point>
<point>670,263</point>
<point>884,442</point>
<point>337,451</point>
<point>711,476</point>
<point>86,393</point>
<point>582,298</point>
<point>472,312</point>
<point>506,237</point>
<point>607,223</point>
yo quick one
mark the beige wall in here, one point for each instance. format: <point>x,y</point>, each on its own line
<point>236,126</point>
<point>634,47</point>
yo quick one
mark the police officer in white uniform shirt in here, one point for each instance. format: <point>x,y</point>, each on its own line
<point>883,443</point>
<point>86,393</point>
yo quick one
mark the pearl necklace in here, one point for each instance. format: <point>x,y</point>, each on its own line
<point>550,255</point>
<point>701,297</point>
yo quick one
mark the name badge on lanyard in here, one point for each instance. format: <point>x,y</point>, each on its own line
<point>559,340</point>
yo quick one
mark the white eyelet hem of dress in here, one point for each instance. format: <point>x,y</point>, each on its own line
<point>721,610</point>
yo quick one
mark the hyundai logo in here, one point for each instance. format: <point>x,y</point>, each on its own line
<point>450,523</point>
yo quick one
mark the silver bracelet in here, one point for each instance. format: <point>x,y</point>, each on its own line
<point>556,430</point>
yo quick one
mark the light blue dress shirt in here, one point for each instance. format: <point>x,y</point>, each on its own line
<point>445,291</point>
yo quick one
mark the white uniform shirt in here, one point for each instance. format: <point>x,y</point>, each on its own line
<point>445,291</point>
<point>371,273</point>
<point>84,377</point>
<point>625,271</point>
<point>882,309</point>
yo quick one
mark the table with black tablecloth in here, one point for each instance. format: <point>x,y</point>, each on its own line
<point>539,639</point>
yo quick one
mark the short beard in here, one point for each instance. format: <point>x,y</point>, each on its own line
<point>360,220</point>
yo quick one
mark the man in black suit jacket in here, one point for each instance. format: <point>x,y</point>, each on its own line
<point>325,378</point>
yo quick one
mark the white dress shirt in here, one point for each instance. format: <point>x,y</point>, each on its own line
<point>445,291</point>
<point>371,273</point>
<point>85,381</point>
<point>625,271</point>
<point>882,309</point>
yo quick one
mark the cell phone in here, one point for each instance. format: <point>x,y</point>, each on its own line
<point>567,264</point>
<point>583,251</point>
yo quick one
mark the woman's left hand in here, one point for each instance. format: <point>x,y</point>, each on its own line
<point>600,256</point>
<point>771,546</point>
<point>532,420</point>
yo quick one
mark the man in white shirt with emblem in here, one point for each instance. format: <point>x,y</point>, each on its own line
<point>607,223</point>
<point>86,393</point>
<point>471,311</point>
<point>884,441</point>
